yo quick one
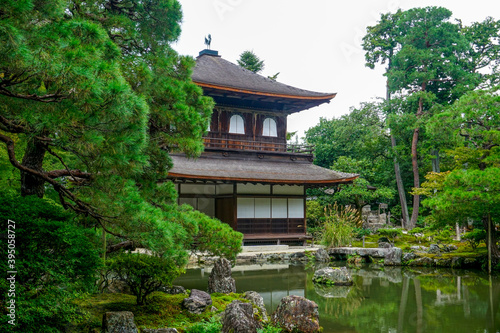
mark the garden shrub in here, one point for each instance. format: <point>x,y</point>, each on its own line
<point>339,226</point>
<point>475,237</point>
<point>144,273</point>
<point>390,233</point>
<point>56,263</point>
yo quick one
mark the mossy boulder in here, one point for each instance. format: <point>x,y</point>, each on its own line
<point>296,314</point>
<point>334,276</point>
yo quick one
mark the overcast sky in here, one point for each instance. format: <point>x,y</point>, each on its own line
<point>314,45</point>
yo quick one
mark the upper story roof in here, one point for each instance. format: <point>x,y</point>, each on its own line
<point>223,79</point>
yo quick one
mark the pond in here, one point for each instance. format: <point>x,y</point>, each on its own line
<point>382,299</point>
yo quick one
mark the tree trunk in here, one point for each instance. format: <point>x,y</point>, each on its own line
<point>435,161</point>
<point>401,189</point>
<point>397,170</point>
<point>495,252</point>
<point>33,159</point>
<point>416,178</point>
<point>414,162</point>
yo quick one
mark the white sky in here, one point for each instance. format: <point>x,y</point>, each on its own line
<point>315,45</point>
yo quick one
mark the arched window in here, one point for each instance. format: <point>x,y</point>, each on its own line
<point>269,127</point>
<point>236,124</point>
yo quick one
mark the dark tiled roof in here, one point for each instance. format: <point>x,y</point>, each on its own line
<point>259,171</point>
<point>214,71</point>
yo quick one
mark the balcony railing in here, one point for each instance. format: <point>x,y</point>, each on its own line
<point>222,143</point>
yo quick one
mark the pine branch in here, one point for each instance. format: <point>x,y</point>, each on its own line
<point>78,206</point>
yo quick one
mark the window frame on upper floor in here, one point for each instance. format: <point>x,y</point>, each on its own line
<point>268,131</point>
<point>241,124</point>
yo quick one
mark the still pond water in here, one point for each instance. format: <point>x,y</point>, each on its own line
<point>382,299</point>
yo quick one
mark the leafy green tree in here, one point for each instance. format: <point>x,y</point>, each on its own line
<point>92,101</point>
<point>144,273</point>
<point>250,61</point>
<point>430,60</point>
<point>360,193</point>
<point>472,188</point>
<point>98,99</point>
<point>358,136</point>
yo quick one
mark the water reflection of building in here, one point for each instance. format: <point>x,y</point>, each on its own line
<point>273,283</point>
<point>459,297</point>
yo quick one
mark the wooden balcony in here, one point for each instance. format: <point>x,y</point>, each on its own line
<point>235,143</point>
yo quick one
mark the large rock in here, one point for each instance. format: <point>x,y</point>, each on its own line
<point>119,322</point>
<point>296,314</point>
<point>337,276</point>
<point>238,318</point>
<point>159,330</point>
<point>321,256</point>
<point>197,301</point>
<point>118,287</point>
<point>393,257</point>
<point>220,280</point>
<point>173,290</point>
<point>434,249</point>
<point>423,261</point>
<point>256,299</point>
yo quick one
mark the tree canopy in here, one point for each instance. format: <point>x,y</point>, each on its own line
<point>249,60</point>
<point>431,61</point>
<point>92,101</point>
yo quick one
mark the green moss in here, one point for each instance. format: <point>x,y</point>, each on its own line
<point>162,310</point>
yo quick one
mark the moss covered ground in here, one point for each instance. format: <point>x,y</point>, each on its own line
<point>163,310</point>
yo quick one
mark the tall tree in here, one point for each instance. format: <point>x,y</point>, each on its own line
<point>380,46</point>
<point>431,61</point>
<point>360,136</point>
<point>250,61</point>
<point>472,188</point>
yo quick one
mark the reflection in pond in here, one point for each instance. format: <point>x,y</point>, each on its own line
<point>382,299</point>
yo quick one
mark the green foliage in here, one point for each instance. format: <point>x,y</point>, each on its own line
<point>55,260</point>
<point>360,193</point>
<point>270,329</point>
<point>361,232</point>
<point>215,237</point>
<point>390,233</point>
<point>144,273</point>
<point>106,107</point>
<point>162,310</point>
<point>213,325</point>
<point>339,226</point>
<point>315,214</point>
<point>250,61</point>
<point>354,143</point>
<point>475,237</point>
<point>431,61</point>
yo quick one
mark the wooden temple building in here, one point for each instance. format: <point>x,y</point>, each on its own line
<point>248,176</point>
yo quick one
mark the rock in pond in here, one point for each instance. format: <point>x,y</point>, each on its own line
<point>119,322</point>
<point>256,299</point>
<point>159,330</point>
<point>197,301</point>
<point>321,256</point>
<point>336,276</point>
<point>238,318</point>
<point>220,280</point>
<point>393,257</point>
<point>296,314</point>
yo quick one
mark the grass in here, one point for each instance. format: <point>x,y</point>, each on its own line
<point>163,310</point>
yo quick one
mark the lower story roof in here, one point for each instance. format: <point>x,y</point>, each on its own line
<point>209,168</point>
